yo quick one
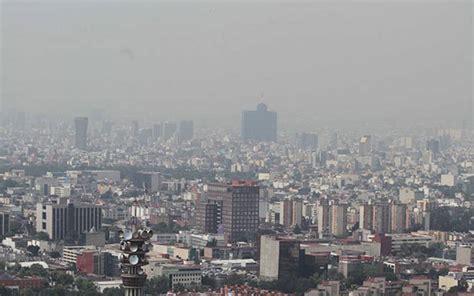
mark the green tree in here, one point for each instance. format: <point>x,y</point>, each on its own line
<point>62,278</point>
<point>25,292</point>
<point>38,270</point>
<point>157,285</point>
<point>55,254</point>
<point>85,287</point>
<point>234,279</point>
<point>113,292</point>
<point>5,291</point>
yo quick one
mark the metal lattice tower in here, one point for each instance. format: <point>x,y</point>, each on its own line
<point>134,245</point>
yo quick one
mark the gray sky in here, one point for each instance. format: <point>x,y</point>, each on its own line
<point>209,60</point>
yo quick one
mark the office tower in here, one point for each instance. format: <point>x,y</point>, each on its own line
<point>259,125</point>
<point>324,219</point>
<point>67,220</point>
<point>366,216</point>
<point>382,219</point>
<point>433,146</point>
<point>338,219</point>
<point>232,207</point>
<point>80,124</point>
<point>279,258</point>
<point>185,130</point>
<point>365,146</point>
<point>398,217</point>
<point>308,141</point>
<point>168,130</point>
<point>150,181</point>
<point>4,223</point>
<point>209,216</point>
<point>156,131</point>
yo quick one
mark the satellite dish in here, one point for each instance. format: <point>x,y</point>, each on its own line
<point>128,235</point>
<point>120,234</point>
<point>133,259</point>
<point>134,247</point>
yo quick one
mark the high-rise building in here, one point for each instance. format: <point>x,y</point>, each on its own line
<point>324,219</point>
<point>209,214</point>
<point>286,212</point>
<point>332,219</point>
<point>185,130</point>
<point>168,130</point>
<point>156,131</point>
<point>232,207</point>
<point>398,217</point>
<point>308,141</point>
<point>67,220</point>
<point>433,146</point>
<point>150,181</point>
<point>259,125</point>
<point>382,219</point>
<point>291,212</point>
<point>365,146</point>
<point>134,129</point>
<point>366,216</point>
<point>278,257</point>
<point>80,124</point>
<point>297,214</point>
<point>338,219</point>
<point>4,223</point>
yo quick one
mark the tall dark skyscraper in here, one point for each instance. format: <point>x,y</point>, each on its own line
<point>80,124</point>
<point>185,130</point>
<point>232,207</point>
<point>260,125</point>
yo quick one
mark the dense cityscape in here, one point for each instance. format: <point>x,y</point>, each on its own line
<point>93,206</point>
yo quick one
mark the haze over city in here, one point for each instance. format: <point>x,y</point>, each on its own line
<point>313,62</point>
<point>236,148</point>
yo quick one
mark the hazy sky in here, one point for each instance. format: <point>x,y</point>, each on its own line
<point>209,60</point>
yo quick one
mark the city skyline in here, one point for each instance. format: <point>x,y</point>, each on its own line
<point>223,148</point>
<point>329,76</point>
